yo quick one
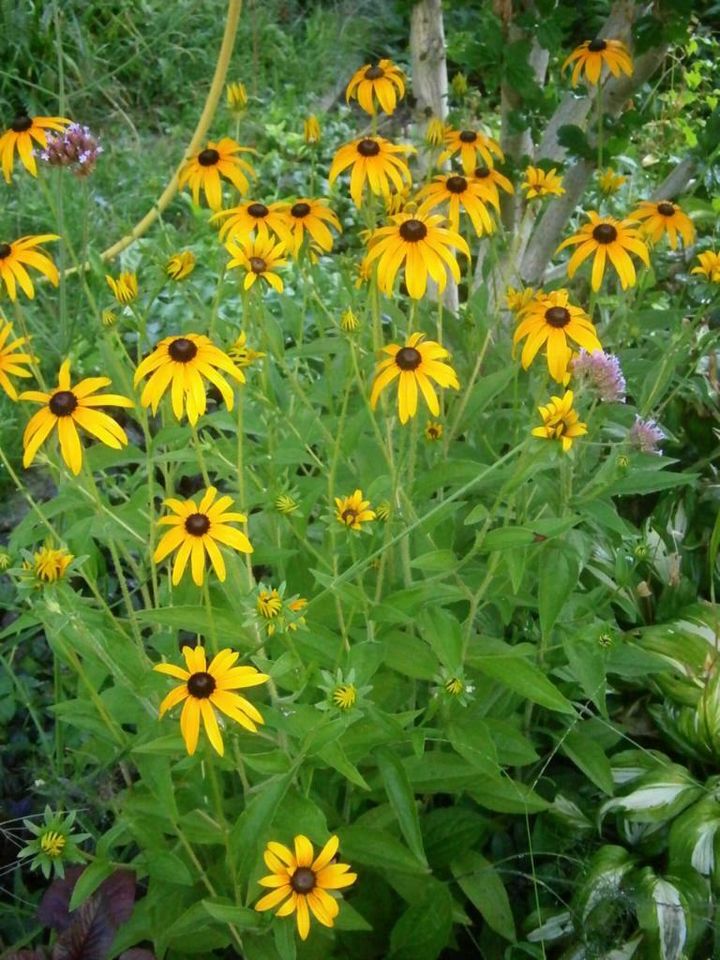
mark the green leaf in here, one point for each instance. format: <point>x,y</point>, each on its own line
<point>575,141</point>
<point>402,799</point>
<point>334,755</point>
<point>410,656</point>
<point>508,796</point>
<point>195,619</point>
<point>557,578</point>
<point>480,882</point>
<point>376,848</point>
<point>589,757</point>
<point>246,836</point>
<point>508,666</point>
<point>444,634</point>
<point>424,929</point>
<point>230,913</point>
<point>166,866</point>
<point>436,560</point>
<point>89,880</point>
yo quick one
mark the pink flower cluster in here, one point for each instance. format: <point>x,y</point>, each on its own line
<point>75,147</point>
<point>602,371</point>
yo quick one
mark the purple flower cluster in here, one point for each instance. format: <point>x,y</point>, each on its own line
<point>75,147</point>
<point>645,435</point>
<point>602,371</point>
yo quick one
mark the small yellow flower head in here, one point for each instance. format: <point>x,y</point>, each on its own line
<point>399,202</point>
<point>362,273</point>
<point>592,55</point>
<point>5,561</point>
<point>108,318</point>
<point>242,354</point>
<point>433,430</point>
<point>353,511</point>
<point>517,300</point>
<point>435,132</point>
<point>295,607</point>
<point>180,265</point>
<point>560,421</point>
<point>380,84</point>
<point>236,97</point>
<point>311,129</point>
<point>459,84</point>
<point>50,565</point>
<point>454,686</point>
<point>52,843</point>
<point>269,604</point>
<point>709,266</point>
<point>286,504</point>
<point>610,182</point>
<point>345,695</point>
<point>383,510</point>
<point>349,321</point>
<point>542,183</point>
<point>124,287</point>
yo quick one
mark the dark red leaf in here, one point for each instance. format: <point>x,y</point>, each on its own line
<point>118,893</point>
<point>137,953</point>
<point>90,934</point>
<point>53,910</point>
<point>38,954</point>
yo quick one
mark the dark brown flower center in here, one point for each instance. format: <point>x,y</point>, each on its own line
<point>557,316</point>
<point>666,209</point>
<point>408,358</point>
<point>300,210</point>
<point>348,516</point>
<point>468,136</point>
<point>303,880</point>
<point>456,184</point>
<point>21,123</point>
<point>258,210</point>
<point>482,172</point>
<point>433,433</point>
<point>368,147</point>
<point>63,403</point>
<point>208,157</point>
<point>413,231</point>
<point>201,685</point>
<point>197,524</point>
<point>182,350</point>
<point>5,250</point>
<point>374,73</point>
<point>605,233</point>
<point>597,45</point>
<point>258,265</point>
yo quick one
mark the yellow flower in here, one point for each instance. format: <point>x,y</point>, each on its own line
<point>311,129</point>
<point>374,160</point>
<point>550,319</point>
<point>384,82</point>
<point>124,287</point>
<point>709,266</point>
<point>416,363</point>
<point>205,687</point>
<point>345,695</point>
<point>259,257</point>
<point>207,168</point>
<point>295,607</point>
<point>435,132</point>
<point>181,363</point>
<point>398,203</point>
<point>608,239</point>
<point>454,686</point>
<point>180,265</point>
<point>460,193</point>
<point>423,245</point>
<point>303,882</point>
<point>353,511</point>
<point>517,300</point>
<point>108,318</point>
<point>52,843</point>
<point>11,362</point>
<point>560,421</point>
<point>486,181</point>
<point>253,216</point>
<point>196,530</point>
<point>609,181</point>
<point>383,510</point>
<point>5,560</point>
<point>592,54</point>
<point>433,430</point>
<point>349,322</point>
<point>51,564</point>
<point>242,354</point>
<point>311,216</point>
<point>269,603</point>
<point>470,144</point>
<point>285,504</point>
<point>18,252</point>
<point>664,217</point>
<point>68,408</point>
<point>236,97</point>
<point>23,130</point>
<point>542,183</point>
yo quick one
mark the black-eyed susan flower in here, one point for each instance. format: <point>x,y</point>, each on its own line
<point>197,529</point>
<point>423,245</point>
<point>433,431</point>
<point>609,181</point>
<point>269,603</point>
<point>54,844</point>
<point>294,619</point>
<point>19,137</point>
<point>518,300</point>
<point>237,97</point>
<point>50,563</point>
<point>303,882</point>
<point>435,132</point>
<point>242,354</point>
<point>560,421</point>
<point>17,254</point>
<point>12,363</point>
<point>375,161</point>
<point>179,364</point>
<point>206,687</point>
<point>471,144</point>
<point>459,193</point>
<point>68,408</point>
<point>345,695</point>
<point>311,129</point>
<point>259,256</point>
<point>382,81</point>
<point>180,265</point>
<point>487,181</point>
<point>208,167</point>
<point>353,511</point>
<point>664,218</point>
<point>253,217</point>
<point>709,266</point>
<point>415,364</point>
<point>124,287</point>
<point>542,183</point>
<point>608,239</point>
<point>311,216</point>
<point>349,321</point>
<point>592,55</point>
<point>551,320</point>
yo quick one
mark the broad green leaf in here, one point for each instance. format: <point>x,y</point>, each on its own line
<point>410,656</point>
<point>334,755</point>
<point>402,799</point>
<point>557,577</point>
<point>227,912</point>
<point>508,796</point>
<point>435,561</point>
<point>248,833</point>
<point>481,884</point>
<point>509,666</point>
<point>443,632</point>
<point>376,848</point>
<point>424,929</point>
<point>589,757</point>
<point>89,880</point>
